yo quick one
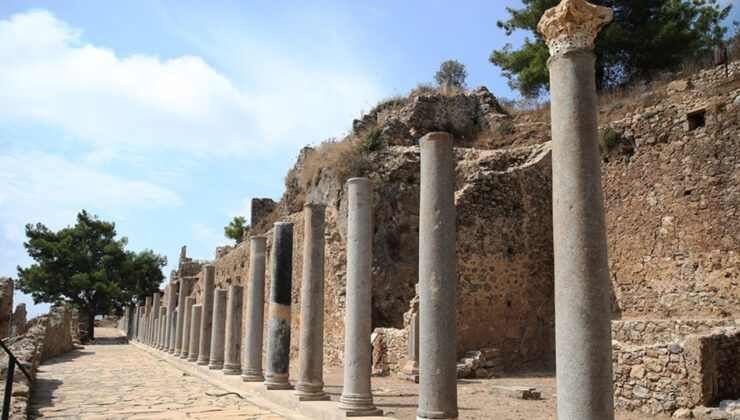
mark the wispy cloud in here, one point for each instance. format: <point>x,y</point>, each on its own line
<point>51,76</point>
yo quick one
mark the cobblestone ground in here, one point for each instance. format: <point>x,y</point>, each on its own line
<point>119,381</point>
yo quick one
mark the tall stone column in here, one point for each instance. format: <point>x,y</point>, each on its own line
<point>252,369</point>
<point>582,288</point>
<point>437,280</point>
<point>184,292</point>
<point>155,329</point>
<point>356,397</point>
<point>162,327</point>
<point>196,314</point>
<point>278,324</point>
<point>171,338</point>
<point>218,335</point>
<point>171,302</point>
<point>185,349</point>
<point>154,315</point>
<point>310,384</point>
<point>206,323</point>
<point>233,346</point>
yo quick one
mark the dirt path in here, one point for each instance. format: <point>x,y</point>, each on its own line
<point>117,381</point>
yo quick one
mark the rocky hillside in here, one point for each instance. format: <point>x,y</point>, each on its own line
<point>670,176</point>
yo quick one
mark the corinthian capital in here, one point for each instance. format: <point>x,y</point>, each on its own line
<point>572,25</point>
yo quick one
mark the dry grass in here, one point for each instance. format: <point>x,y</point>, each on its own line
<point>343,157</point>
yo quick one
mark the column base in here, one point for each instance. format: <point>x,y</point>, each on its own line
<point>202,361</point>
<point>357,405</point>
<point>436,418</point>
<point>310,392</point>
<point>214,365</point>
<point>435,415</point>
<point>252,375</point>
<point>192,358</point>
<point>277,382</point>
<point>183,355</point>
<point>232,369</point>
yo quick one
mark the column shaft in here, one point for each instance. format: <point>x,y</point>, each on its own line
<point>184,292</point>
<point>206,323</point>
<point>310,384</point>
<point>356,396</point>
<point>437,280</point>
<point>278,324</point>
<point>232,352</point>
<point>154,315</point>
<point>218,335</point>
<point>171,302</point>
<point>185,349</point>
<point>252,369</point>
<point>196,314</point>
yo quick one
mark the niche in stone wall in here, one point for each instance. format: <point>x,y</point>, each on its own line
<point>695,119</point>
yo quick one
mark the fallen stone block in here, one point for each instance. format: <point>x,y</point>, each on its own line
<point>518,392</point>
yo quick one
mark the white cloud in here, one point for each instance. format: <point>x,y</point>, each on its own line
<point>206,237</point>
<point>139,102</point>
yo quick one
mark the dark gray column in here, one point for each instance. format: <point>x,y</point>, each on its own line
<point>171,338</point>
<point>252,370</point>
<point>232,350</point>
<point>356,397</point>
<point>582,285</point>
<point>189,302</point>
<point>169,330</point>
<point>437,280</point>
<point>278,324</point>
<point>162,327</point>
<point>206,323</point>
<point>196,313</point>
<point>218,335</point>
<point>310,384</point>
<point>153,316</point>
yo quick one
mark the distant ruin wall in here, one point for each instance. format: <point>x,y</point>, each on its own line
<point>6,305</point>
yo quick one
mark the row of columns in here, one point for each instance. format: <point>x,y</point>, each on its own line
<point>211,332</point>
<point>582,338</point>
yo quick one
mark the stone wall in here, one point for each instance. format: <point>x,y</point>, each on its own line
<point>19,320</point>
<point>6,305</point>
<point>697,365</point>
<point>48,336</point>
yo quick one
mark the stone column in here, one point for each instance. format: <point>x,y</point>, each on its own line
<point>310,384</point>
<point>278,325</point>
<point>162,327</point>
<point>356,397</point>
<point>233,346</point>
<point>171,338</point>
<point>171,302</point>
<point>184,292</point>
<point>437,280</point>
<point>206,323</point>
<point>154,315</point>
<point>196,315</point>
<point>252,370</point>
<point>137,318</point>
<point>185,349</point>
<point>218,334</point>
<point>582,285</point>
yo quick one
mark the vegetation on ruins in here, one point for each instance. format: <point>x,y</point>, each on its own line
<point>451,73</point>
<point>85,266</point>
<point>644,38</point>
<point>235,229</point>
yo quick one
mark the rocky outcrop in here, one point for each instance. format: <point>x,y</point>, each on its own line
<point>19,320</point>
<point>6,305</point>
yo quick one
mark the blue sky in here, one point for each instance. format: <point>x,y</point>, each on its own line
<point>168,117</point>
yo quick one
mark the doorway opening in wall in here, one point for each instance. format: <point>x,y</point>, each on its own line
<point>696,119</point>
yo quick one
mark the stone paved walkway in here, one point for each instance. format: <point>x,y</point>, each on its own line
<point>119,381</point>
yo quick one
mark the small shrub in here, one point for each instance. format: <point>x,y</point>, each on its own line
<point>505,128</point>
<point>608,139</point>
<point>423,89</point>
<point>618,105</point>
<point>343,157</point>
<point>377,180</point>
<point>371,141</point>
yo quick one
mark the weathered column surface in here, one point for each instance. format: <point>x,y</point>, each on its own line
<point>171,303</point>
<point>437,280</point>
<point>171,338</point>
<point>310,385</point>
<point>252,369</point>
<point>146,318</point>
<point>196,314</point>
<point>206,323</point>
<point>155,330</point>
<point>181,298</point>
<point>582,285</point>
<point>218,334</point>
<point>154,315</point>
<point>162,327</point>
<point>233,346</point>
<point>185,349</point>
<point>278,324</point>
<point>356,397</point>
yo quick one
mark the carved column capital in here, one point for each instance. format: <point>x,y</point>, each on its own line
<point>572,25</point>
